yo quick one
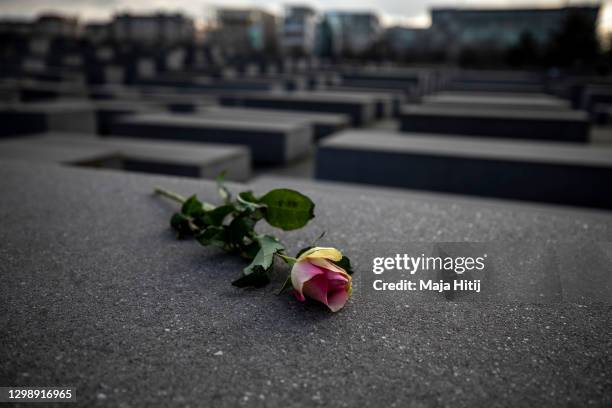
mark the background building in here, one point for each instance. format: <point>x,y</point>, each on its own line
<point>453,29</point>
<point>298,33</point>
<point>152,29</point>
<point>55,25</point>
<point>406,42</point>
<point>97,32</point>
<point>246,30</point>
<point>350,33</point>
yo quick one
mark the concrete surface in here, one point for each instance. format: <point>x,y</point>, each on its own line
<point>97,293</point>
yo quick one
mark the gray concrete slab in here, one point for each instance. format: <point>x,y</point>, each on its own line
<point>384,102</point>
<point>470,86</point>
<point>496,81</point>
<point>177,101</point>
<point>398,96</point>
<point>520,95</point>
<point>37,91</point>
<point>324,124</point>
<point>594,95</point>
<point>269,141</point>
<point>172,158</point>
<point>170,98</point>
<point>29,150</point>
<point>601,136</point>
<point>108,111</point>
<point>408,80</point>
<point>140,319</point>
<point>58,115</point>
<point>159,157</point>
<point>565,126</point>
<point>113,91</point>
<point>533,171</point>
<point>361,109</point>
<point>8,92</point>
<point>508,102</point>
<point>407,87</point>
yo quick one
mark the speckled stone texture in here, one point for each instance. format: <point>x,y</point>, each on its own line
<point>97,293</point>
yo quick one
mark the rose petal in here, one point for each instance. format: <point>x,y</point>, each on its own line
<point>316,288</point>
<point>320,252</point>
<point>330,266</point>
<point>337,299</point>
<point>335,277</point>
<point>299,296</point>
<point>303,272</point>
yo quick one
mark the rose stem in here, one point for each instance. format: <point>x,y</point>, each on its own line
<point>290,260</point>
<point>170,194</point>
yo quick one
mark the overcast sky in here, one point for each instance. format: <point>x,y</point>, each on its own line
<point>413,12</point>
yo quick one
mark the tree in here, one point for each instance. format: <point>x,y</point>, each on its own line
<point>525,53</point>
<point>576,44</point>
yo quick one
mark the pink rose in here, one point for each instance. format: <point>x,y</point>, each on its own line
<point>314,275</point>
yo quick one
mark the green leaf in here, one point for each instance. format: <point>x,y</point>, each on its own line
<point>217,216</point>
<point>250,251</point>
<point>247,200</point>
<point>248,196</point>
<point>239,228</point>
<point>287,209</point>
<point>345,263</point>
<point>226,196</point>
<point>213,235</point>
<point>192,207</point>
<point>268,246</point>
<point>257,278</point>
<point>181,224</point>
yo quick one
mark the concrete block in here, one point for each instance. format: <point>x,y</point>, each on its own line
<point>361,110</point>
<point>566,126</point>
<point>533,171</point>
<point>497,101</point>
<point>324,124</point>
<point>66,116</point>
<point>270,142</point>
<point>159,157</point>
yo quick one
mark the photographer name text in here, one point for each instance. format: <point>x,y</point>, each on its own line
<point>453,267</point>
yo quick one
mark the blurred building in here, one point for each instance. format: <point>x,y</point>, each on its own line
<point>16,26</point>
<point>240,31</point>
<point>407,41</point>
<point>55,25</point>
<point>455,28</point>
<point>97,32</point>
<point>350,33</point>
<point>298,33</point>
<point>153,29</point>
<point>46,25</point>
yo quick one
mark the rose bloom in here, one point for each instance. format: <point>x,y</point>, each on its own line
<point>314,275</point>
